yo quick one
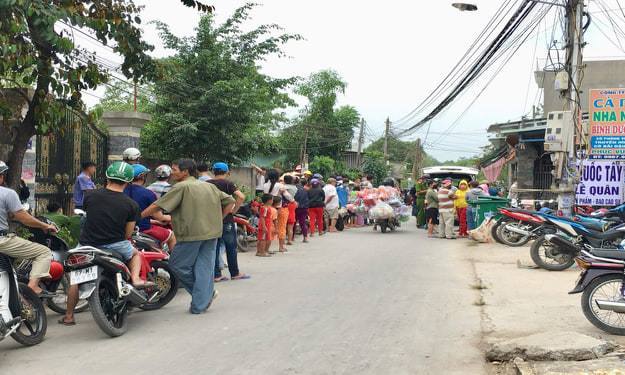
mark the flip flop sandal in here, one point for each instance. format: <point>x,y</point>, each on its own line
<point>65,323</point>
<point>45,294</point>
<point>264,255</point>
<point>220,279</point>
<point>242,277</point>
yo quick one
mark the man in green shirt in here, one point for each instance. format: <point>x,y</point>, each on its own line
<point>197,210</point>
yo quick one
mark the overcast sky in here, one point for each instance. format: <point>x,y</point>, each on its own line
<point>392,54</point>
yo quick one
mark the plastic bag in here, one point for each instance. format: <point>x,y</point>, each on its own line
<point>483,232</point>
<point>381,211</point>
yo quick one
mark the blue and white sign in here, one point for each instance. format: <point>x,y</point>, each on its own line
<point>601,183</point>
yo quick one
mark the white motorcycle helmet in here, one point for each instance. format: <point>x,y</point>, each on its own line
<point>3,167</point>
<point>131,154</point>
<point>163,171</point>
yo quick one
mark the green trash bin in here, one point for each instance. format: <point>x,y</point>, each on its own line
<point>485,207</point>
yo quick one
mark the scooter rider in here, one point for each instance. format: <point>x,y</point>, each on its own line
<point>144,198</point>
<point>131,155</point>
<point>110,221</point>
<point>162,186</point>
<point>19,248</point>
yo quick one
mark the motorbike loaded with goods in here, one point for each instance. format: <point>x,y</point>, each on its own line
<point>384,207</point>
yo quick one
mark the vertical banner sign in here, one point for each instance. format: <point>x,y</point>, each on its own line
<point>600,182</point>
<point>607,123</point>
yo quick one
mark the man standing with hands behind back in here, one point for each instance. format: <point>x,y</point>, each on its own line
<point>197,210</point>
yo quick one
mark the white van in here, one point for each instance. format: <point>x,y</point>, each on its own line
<point>453,172</point>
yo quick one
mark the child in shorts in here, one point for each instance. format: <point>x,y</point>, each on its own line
<point>264,226</point>
<point>276,206</point>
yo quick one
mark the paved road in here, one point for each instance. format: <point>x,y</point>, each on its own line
<point>356,302</point>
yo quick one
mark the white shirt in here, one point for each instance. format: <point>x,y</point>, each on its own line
<point>276,188</point>
<point>330,192</point>
<point>260,181</point>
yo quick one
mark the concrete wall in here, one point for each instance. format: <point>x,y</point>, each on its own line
<point>597,75</point>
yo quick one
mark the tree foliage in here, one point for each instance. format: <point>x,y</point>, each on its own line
<point>213,103</point>
<point>398,150</point>
<point>38,51</point>
<point>375,166</point>
<point>328,131</point>
<point>323,165</point>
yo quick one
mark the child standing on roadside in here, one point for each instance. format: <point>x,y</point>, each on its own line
<point>264,226</point>
<point>276,205</point>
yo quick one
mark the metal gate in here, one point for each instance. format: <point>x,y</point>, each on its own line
<point>543,177</point>
<point>59,157</point>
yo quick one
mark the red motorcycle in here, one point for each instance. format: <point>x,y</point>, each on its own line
<point>105,279</point>
<point>246,220</point>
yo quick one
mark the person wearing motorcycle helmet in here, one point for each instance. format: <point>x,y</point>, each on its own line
<point>131,155</point>
<point>110,220</point>
<point>161,186</point>
<point>144,198</point>
<point>229,234</point>
<point>389,181</point>
<point>17,247</point>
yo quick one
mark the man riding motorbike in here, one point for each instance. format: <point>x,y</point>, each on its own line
<point>144,198</point>
<point>19,248</point>
<point>110,221</point>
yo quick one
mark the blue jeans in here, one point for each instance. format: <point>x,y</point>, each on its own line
<point>192,262</point>
<point>123,248</point>
<point>470,218</point>
<point>229,239</point>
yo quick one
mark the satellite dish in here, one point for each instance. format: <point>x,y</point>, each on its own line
<point>465,7</point>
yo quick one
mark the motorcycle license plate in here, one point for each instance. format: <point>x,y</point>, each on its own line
<point>83,275</point>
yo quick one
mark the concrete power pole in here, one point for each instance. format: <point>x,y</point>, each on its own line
<point>418,160</point>
<point>386,132</point>
<point>360,142</point>
<point>574,55</point>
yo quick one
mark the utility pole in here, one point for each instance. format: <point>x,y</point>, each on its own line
<point>418,160</point>
<point>386,132</point>
<point>360,142</point>
<point>304,156</point>
<point>135,96</point>
<point>574,58</point>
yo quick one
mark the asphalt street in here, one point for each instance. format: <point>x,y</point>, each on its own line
<point>358,302</point>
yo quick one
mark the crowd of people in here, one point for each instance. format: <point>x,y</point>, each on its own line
<point>437,204</point>
<point>192,218</point>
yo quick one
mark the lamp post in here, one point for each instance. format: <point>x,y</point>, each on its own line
<point>465,7</point>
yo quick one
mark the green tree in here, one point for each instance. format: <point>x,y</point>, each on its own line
<point>375,166</point>
<point>213,103</point>
<point>398,150</point>
<point>328,131</point>
<point>38,52</point>
<point>323,165</point>
<point>119,96</point>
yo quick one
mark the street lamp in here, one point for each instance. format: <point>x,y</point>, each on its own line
<point>465,7</point>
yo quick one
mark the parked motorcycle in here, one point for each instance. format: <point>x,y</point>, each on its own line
<point>556,252</point>
<point>517,227</point>
<point>105,278</point>
<point>603,289</point>
<point>22,314</point>
<point>58,282</point>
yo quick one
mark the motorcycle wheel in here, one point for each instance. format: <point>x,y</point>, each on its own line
<point>495,228</point>
<point>108,311</point>
<point>35,323</point>
<point>545,255</point>
<point>607,287</point>
<point>58,304</point>
<point>242,240</point>
<point>510,238</point>
<point>166,281</point>
<point>383,227</point>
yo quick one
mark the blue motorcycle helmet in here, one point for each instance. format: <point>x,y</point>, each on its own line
<point>220,167</point>
<point>139,170</point>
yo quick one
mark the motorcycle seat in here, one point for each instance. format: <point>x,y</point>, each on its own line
<point>612,254</point>
<point>611,234</point>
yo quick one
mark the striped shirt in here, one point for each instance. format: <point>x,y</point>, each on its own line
<point>445,203</point>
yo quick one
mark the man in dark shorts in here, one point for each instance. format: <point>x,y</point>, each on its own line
<point>110,221</point>
<point>229,235</point>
